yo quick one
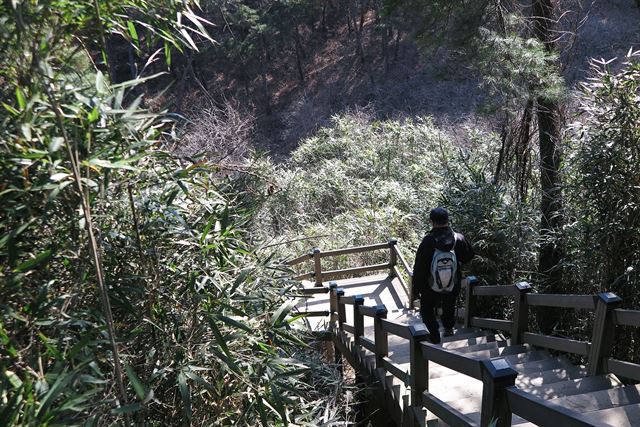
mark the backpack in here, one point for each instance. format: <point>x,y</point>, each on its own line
<point>444,268</point>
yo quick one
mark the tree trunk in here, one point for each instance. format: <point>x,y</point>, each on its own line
<point>299,53</point>
<point>358,30</point>
<point>323,22</point>
<point>549,133</point>
<point>263,77</point>
<point>396,48</point>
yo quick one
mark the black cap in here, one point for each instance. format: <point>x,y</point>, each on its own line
<point>439,215</point>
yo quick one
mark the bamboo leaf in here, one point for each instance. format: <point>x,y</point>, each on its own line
<point>234,323</point>
<point>20,97</point>
<point>200,381</point>
<point>185,395</point>
<point>55,144</point>
<point>127,409</point>
<point>101,87</point>
<point>29,264</point>
<point>135,382</point>
<point>133,33</point>
<point>281,312</point>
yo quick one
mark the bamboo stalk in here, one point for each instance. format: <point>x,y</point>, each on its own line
<point>95,251</point>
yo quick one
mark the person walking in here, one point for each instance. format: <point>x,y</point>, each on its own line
<point>437,272</point>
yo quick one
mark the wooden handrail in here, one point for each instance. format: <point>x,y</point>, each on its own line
<point>497,324</point>
<point>556,343</point>
<point>371,311</point>
<point>332,274</point>
<point>453,360</point>
<point>403,261</point>
<point>626,317</point>
<point>496,290</point>
<point>623,369</point>
<point>402,282</point>
<point>354,250</point>
<point>300,259</point>
<point>395,370</point>
<point>395,328</point>
<point>303,276</point>
<point>587,302</point>
<point>313,291</point>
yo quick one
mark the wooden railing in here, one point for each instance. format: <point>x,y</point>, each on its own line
<point>320,276</point>
<point>500,397</point>
<point>495,373</point>
<point>607,315</point>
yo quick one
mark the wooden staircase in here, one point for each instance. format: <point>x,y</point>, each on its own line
<point>477,376</point>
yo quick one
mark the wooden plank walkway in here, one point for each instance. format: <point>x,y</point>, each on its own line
<point>376,290</point>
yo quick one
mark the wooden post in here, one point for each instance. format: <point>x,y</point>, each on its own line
<point>342,315</point>
<point>468,303</point>
<point>380,337</point>
<point>333,303</point>
<point>335,324</point>
<point>393,257</point>
<point>418,368</point>
<point>412,295</point>
<point>520,313</point>
<point>497,375</point>
<point>603,331</point>
<point>317,266</point>
<point>358,325</point>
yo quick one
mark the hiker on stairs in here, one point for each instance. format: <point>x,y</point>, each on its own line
<point>436,272</point>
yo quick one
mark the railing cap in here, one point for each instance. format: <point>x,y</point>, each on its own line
<point>523,286</point>
<point>499,368</point>
<point>315,251</point>
<point>340,292</point>
<point>333,284</point>
<point>609,297</point>
<point>419,331</point>
<point>380,309</point>
<point>472,280</point>
<point>358,299</point>
<point>393,241</point>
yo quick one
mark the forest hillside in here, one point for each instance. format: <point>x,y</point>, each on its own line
<point>160,161</point>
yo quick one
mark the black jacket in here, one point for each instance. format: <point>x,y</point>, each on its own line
<point>441,238</point>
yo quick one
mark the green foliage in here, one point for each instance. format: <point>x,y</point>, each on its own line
<point>502,228</point>
<point>202,321</point>
<point>360,182</point>
<point>607,178</point>
<point>516,68</point>
<point>447,22</point>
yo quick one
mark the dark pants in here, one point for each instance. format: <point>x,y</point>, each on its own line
<point>429,303</point>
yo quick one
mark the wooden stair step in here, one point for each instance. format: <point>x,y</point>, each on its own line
<point>484,346</point>
<point>455,387</point>
<point>435,370</point>
<point>515,420</point>
<point>572,387</point>
<point>471,408</point>
<point>513,355</point>
<point>542,365</point>
<point>535,379</point>
<point>467,338</point>
<point>602,399</point>
<point>622,416</point>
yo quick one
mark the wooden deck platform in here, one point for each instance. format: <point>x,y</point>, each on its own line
<point>376,290</point>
